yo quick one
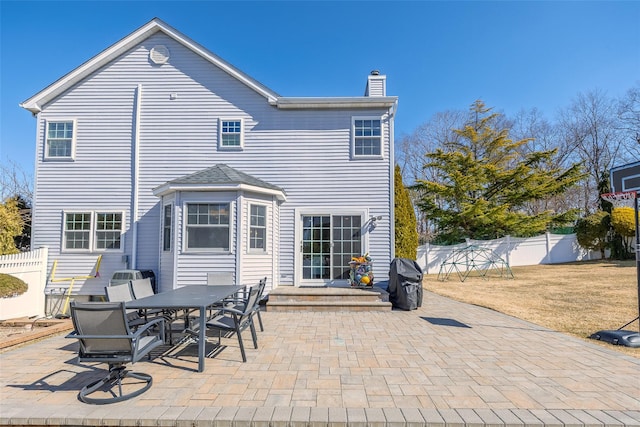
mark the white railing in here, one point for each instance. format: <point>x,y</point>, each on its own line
<point>545,249</point>
<point>31,267</point>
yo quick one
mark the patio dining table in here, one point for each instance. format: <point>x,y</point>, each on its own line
<point>195,297</point>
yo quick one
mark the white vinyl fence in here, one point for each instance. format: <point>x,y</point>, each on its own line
<point>31,267</point>
<point>544,249</point>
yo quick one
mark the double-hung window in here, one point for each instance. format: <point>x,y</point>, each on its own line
<point>60,140</point>
<point>208,227</point>
<point>257,228</point>
<point>108,230</point>
<point>92,231</point>
<point>77,231</point>
<point>367,137</point>
<point>231,134</point>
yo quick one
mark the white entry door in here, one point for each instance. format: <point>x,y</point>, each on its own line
<point>328,242</point>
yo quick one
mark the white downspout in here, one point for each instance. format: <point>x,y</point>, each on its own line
<point>135,178</point>
<point>392,216</point>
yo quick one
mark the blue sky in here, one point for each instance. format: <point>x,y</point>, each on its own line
<point>437,55</point>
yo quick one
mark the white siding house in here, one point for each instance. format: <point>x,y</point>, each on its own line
<point>157,154</point>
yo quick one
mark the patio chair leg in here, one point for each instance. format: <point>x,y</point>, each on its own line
<point>244,357</point>
<point>253,334</point>
<point>260,321</point>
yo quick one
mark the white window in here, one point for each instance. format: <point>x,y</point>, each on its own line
<point>167,224</point>
<point>108,230</point>
<point>77,231</point>
<point>257,228</point>
<point>87,231</point>
<point>208,227</point>
<point>60,140</point>
<point>367,137</point>
<point>231,133</point>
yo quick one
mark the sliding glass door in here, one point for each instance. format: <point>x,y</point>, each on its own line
<point>328,244</point>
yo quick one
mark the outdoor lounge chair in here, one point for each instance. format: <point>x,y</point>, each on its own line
<point>230,319</point>
<point>105,336</point>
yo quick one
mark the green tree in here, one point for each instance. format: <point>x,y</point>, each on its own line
<point>591,231</point>
<point>10,226</point>
<point>405,220</point>
<point>484,182</point>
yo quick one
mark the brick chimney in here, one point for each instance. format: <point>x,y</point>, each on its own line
<point>376,84</point>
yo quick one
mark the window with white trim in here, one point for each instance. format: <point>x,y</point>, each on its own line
<point>77,231</point>
<point>60,140</point>
<point>367,137</point>
<point>108,230</point>
<point>208,227</point>
<point>231,133</point>
<point>257,228</point>
<point>167,223</point>
<point>92,231</point>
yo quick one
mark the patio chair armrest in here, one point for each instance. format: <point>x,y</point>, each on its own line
<point>148,325</point>
<point>231,310</point>
<point>76,335</point>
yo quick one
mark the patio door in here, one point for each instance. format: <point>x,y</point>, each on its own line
<point>328,244</point>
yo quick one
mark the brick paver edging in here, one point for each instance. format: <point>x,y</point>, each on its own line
<point>301,416</point>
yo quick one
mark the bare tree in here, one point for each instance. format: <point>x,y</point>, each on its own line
<point>437,132</point>
<point>629,116</point>
<point>14,181</point>
<point>544,135</point>
<point>16,184</point>
<point>591,131</point>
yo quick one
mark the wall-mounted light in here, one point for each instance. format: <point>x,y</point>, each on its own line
<point>373,222</point>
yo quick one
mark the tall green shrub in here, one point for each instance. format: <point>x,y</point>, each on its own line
<point>591,231</point>
<point>10,226</point>
<point>406,225</point>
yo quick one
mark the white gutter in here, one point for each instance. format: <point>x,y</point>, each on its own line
<point>285,103</point>
<point>135,178</point>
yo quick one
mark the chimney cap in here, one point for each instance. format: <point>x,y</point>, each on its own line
<point>375,72</point>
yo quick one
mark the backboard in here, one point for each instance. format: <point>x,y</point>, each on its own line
<point>625,178</point>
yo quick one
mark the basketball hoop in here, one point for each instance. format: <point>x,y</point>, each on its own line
<point>620,199</point>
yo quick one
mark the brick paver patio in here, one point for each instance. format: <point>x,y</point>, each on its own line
<point>446,364</point>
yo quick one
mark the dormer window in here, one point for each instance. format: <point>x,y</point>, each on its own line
<point>231,134</point>
<point>60,140</point>
<point>367,137</point>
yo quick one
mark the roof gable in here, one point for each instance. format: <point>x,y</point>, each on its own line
<point>37,101</point>
<point>219,178</point>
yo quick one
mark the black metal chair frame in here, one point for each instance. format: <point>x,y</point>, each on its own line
<point>239,303</point>
<point>230,319</point>
<point>108,338</point>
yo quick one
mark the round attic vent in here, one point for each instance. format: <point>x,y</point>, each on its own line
<point>159,54</point>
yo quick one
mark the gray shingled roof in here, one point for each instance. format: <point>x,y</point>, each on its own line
<point>222,174</point>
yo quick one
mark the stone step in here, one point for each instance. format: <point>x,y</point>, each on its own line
<point>328,298</point>
<point>328,306</point>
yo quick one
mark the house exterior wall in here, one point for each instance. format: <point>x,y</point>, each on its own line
<point>140,125</point>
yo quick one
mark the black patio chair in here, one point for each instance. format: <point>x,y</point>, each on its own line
<point>105,336</point>
<point>240,303</point>
<point>230,319</point>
